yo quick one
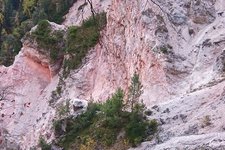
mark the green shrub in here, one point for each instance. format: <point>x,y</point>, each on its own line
<point>102,123</point>
<point>76,126</point>
<point>78,40</point>
<point>57,125</point>
<point>136,128</point>
<point>98,21</point>
<point>42,33</point>
<point>44,145</point>
<point>81,39</point>
<point>163,49</point>
<point>51,41</point>
<point>112,109</point>
<point>135,91</point>
<point>152,127</point>
<point>105,136</point>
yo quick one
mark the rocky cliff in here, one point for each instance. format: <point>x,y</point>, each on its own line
<point>177,48</point>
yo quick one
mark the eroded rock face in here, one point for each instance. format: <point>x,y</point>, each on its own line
<point>176,47</point>
<point>128,44</point>
<point>32,50</point>
<point>27,79</point>
<point>142,37</point>
<point>27,84</point>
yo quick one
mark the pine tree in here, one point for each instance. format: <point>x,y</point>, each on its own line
<point>1,18</point>
<point>28,6</point>
<point>135,91</point>
<point>2,5</point>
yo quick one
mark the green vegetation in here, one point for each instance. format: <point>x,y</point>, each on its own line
<point>136,128</point>
<point>135,91</point>
<point>44,145</point>
<point>75,126</point>
<point>81,39</point>
<point>63,109</point>
<point>78,41</point>
<point>51,41</point>
<point>18,17</point>
<point>100,126</point>
<point>164,49</point>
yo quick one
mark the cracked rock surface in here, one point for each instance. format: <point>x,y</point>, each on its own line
<point>177,48</point>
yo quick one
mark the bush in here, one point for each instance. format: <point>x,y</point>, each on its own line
<point>89,144</point>
<point>57,125</point>
<point>44,145</point>
<point>51,41</point>
<point>164,49</point>
<point>152,127</point>
<point>98,21</point>
<point>101,124</point>
<point>81,39</point>
<point>78,40</point>
<point>136,128</point>
<point>74,127</point>
<point>112,109</point>
<point>63,109</point>
<point>42,32</point>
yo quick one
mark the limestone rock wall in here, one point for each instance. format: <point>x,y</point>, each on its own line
<point>177,48</point>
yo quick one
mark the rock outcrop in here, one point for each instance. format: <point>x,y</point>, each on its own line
<point>177,48</point>
<point>26,88</point>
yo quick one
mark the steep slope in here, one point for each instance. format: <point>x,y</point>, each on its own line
<point>26,87</point>
<point>163,43</point>
<point>177,48</point>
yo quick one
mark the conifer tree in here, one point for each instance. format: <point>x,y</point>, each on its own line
<point>135,91</point>
<point>28,6</point>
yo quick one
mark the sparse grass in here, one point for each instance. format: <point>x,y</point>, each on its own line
<point>56,95</point>
<point>63,109</point>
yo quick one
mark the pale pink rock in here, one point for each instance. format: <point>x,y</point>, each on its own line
<point>185,81</point>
